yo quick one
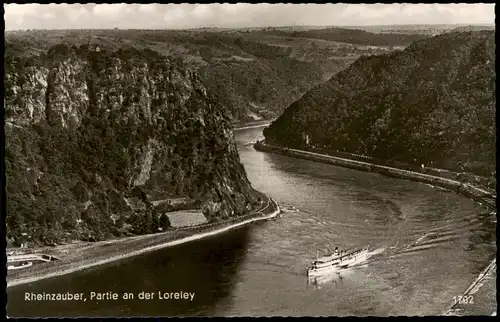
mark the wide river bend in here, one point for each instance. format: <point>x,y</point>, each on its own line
<point>427,246</point>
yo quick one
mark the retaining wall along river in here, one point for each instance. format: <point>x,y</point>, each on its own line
<point>476,193</point>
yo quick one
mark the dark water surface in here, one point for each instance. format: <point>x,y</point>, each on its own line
<point>427,246</point>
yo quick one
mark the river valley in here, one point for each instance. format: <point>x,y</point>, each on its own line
<point>427,245</point>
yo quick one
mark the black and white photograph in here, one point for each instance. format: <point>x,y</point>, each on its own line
<point>249,160</point>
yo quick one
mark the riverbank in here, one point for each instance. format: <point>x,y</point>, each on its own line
<point>480,194</point>
<point>78,256</point>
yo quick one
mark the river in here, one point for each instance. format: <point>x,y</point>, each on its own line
<point>427,245</point>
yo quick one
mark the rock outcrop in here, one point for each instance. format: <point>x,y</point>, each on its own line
<point>94,137</point>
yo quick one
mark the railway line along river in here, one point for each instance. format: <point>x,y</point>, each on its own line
<point>427,246</point>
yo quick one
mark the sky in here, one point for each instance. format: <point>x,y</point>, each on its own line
<point>185,16</point>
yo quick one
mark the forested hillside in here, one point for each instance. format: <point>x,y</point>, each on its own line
<point>433,104</point>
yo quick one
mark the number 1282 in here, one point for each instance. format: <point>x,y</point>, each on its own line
<point>468,299</point>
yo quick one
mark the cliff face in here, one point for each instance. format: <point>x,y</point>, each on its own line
<point>93,138</point>
<point>433,103</point>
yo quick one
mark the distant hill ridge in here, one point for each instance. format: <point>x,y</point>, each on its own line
<point>355,36</point>
<point>254,72</point>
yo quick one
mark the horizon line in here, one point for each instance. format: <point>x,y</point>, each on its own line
<point>262,27</point>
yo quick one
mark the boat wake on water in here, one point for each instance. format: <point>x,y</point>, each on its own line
<point>376,252</point>
<point>410,239</point>
<point>442,236</point>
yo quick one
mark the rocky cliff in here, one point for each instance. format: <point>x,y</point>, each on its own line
<point>433,103</point>
<point>95,139</point>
